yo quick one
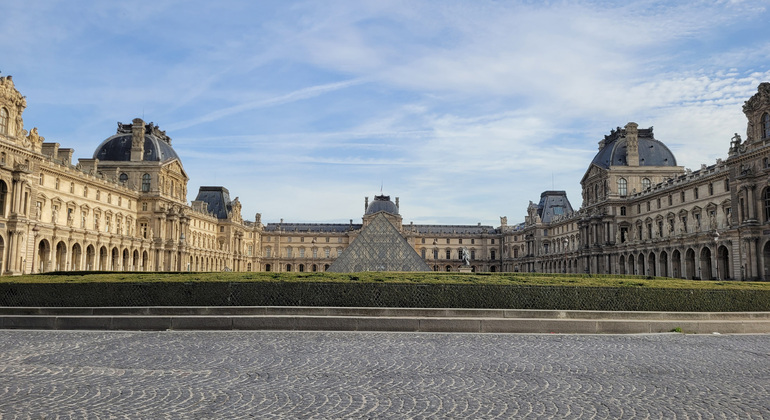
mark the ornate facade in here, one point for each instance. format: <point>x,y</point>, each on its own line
<point>125,209</point>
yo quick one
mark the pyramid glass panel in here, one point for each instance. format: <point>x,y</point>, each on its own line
<point>379,247</point>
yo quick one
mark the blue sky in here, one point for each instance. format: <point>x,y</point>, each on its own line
<point>466,110</point>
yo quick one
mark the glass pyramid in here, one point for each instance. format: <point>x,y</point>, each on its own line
<point>379,247</point>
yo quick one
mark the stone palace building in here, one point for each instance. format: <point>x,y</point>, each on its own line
<point>125,209</point>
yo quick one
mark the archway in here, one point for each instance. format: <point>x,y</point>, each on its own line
<point>2,258</point>
<point>135,265</point>
<point>631,265</point>
<point>90,255</point>
<point>676,264</point>
<point>664,264</point>
<point>651,266</point>
<point>267,267</point>
<point>126,266</point>
<point>640,265</point>
<point>145,257</point>
<point>43,255</point>
<point>689,264</point>
<point>705,264</point>
<point>115,260</point>
<point>77,255</point>
<point>60,263</point>
<point>103,258</point>
<point>723,263</point>
<point>288,267</point>
<point>766,257</point>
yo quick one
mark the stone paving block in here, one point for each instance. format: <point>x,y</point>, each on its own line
<point>540,326</point>
<point>83,323</point>
<point>326,323</point>
<point>690,327</point>
<point>474,313</point>
<point>388,324</point>
<point>622,327</point>
<point>141,323</point>
<point>201,323</point>
<point>450,325</point>
<point>29,322</point>
<point>121,310</point>
<point>755,327</point>
<point>285,323</point>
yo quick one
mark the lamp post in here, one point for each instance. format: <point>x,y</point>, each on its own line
<point>35,232</point>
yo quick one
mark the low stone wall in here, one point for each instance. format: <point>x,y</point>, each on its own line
<point>380,295</point>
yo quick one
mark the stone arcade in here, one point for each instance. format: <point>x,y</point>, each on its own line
<point>125,209</point>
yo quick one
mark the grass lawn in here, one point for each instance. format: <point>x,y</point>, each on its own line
<point>527,279</point>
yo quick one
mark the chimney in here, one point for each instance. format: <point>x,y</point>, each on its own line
<point>632,144</point>
<point>137,140</point>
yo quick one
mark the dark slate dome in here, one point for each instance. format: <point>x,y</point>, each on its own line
<point>652,152</point>
<point>157,146</point>
<point>382,203</point>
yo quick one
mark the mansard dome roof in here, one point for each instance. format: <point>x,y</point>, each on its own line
<point>157,145</point>
<point>652,152</point>
<point>382,203</point>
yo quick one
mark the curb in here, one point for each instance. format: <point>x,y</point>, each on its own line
<point>381,319</point>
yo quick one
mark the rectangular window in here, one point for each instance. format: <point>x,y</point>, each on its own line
<point>681,197</point>
<point>670,200</point>
<point>302,252</point>
<point>695,192</point>
<point>622,211</point>
<point>327,251</point>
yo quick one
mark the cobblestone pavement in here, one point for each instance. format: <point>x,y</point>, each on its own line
<point>77,374</point>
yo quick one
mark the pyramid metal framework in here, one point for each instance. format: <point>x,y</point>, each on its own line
<point>379,247</point>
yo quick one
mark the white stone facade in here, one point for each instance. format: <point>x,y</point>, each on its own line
<point>641,214</point>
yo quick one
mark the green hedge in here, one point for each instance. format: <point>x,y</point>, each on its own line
<point>381,295</point>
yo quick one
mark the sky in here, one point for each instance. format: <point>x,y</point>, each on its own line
<point>466,110</point>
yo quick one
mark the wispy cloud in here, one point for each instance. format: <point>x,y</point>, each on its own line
<point>467,110</point>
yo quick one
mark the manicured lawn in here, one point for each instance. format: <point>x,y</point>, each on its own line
<point>530,279</point>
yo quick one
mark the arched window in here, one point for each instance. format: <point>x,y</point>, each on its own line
<point>765,198</point>
<point>766,126</point>
<point>123,178</point>
<point>3,195</point>
<point>622,186</point>
<point>146,183</point>
<point>3,121</point>
<point>646,183</point>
